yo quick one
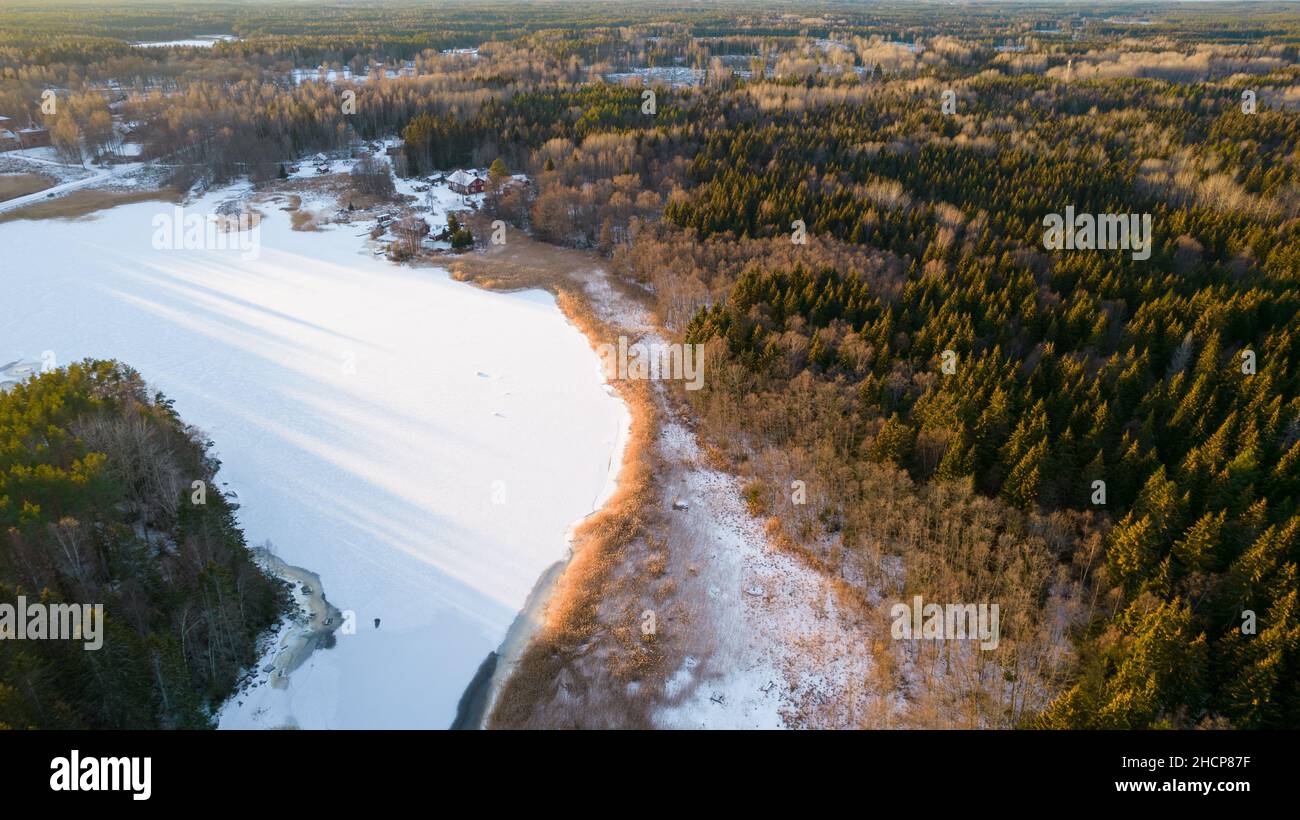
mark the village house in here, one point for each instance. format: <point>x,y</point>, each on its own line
<point>463,182</point>
<point>12,138</point>
<point>34,137</point>
<point>8,139</point>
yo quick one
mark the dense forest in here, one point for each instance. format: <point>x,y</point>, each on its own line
<point>1174,381</point>
<point>1111,444</point>
<point>97,502</point>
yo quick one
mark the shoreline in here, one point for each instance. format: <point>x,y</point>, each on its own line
<point>301,639</point>
<point>473,703</point>
<point>481,694</point>
<point>564,620</point>
<point>287,649</point>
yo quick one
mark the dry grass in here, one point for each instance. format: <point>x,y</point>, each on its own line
<point>546,687</point>
<point>16,185</point>
<point>303,221</point>
<point>520,264</point>
<point>299,219</point>
<point>83,203</point>
<point>338,186</point>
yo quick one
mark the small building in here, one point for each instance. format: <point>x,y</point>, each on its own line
<point>33,137</point>
<point>463,182</point>
<point>8,134</point>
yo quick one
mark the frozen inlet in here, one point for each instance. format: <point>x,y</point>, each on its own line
<point>358,452</point>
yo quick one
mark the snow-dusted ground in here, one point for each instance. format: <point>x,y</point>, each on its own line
<point>774,646</point>
<point>72,178</point>
<point>675,76</point>
<point>420,444</point>
<point>782,644</point>
<point>334,75</point>
<point>432,202</point>
<point>23,160</point>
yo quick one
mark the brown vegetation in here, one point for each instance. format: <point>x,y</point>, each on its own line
<point>85,202</point>
<point>16,185</point>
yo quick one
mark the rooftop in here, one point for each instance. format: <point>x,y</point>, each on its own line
<point>461,177</point>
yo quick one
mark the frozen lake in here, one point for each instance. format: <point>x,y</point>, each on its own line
<point>421,444</point>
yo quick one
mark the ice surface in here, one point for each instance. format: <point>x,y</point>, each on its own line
<point>346,400</point>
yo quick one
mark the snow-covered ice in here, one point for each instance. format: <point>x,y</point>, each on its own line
<point>198,41</point>
<point>420,444</point>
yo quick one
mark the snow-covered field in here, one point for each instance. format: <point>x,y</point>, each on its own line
<point>675,76</point>
<point>420,444</point>
<point>199,41</point>
<point>334,75</point>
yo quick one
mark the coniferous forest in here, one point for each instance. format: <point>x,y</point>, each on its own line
<point>97,503</point>
<point>1172,380</point>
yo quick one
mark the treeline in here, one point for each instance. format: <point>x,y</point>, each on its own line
<point>97,483</point>
<point>524,122</point>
